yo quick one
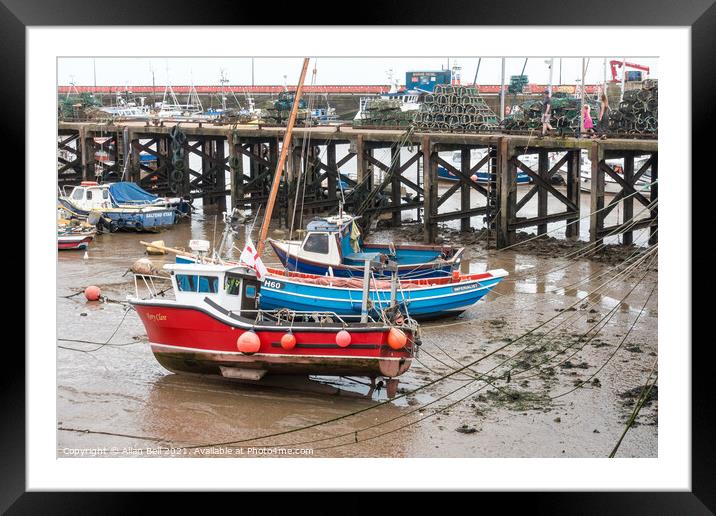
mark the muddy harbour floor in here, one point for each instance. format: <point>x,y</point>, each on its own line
<point>566,389</point>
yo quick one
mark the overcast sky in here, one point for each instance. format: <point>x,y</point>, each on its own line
<point>330,70</point>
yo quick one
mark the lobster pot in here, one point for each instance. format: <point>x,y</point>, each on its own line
<point>454,108</point>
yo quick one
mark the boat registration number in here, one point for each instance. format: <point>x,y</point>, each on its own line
<point>273,284</point>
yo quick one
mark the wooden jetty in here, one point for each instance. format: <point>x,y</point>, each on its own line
<point>171,144</point>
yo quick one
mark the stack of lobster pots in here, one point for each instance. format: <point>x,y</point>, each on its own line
<point>527,116</point>
<point>638,111</point>
<point>455,109</point>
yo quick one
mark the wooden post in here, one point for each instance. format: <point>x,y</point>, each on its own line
<point>573,192</point>
<point>237,172</point>
<point>596,220</point>
<point>430,186</point>
<point>507,191</point>
<point>206,184</point>
<point>220,174</point>
<point>82,148</point>
<point>628,237</point>
<point>395,184</point>
<point>332,180</point>
<point>542,170</point>
<point>135,159</point>
<point>493,196</point>
<point>465,189</point>
<point>653,196</point>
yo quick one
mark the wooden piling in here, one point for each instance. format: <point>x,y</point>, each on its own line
<point>596,220</point>
<point>395,184</point>
<point>465,189</point>
<point>430,186</point>
<point>507,188</point>
<point>543,171</point>
<point>654,196</point>
<point>573,192</point>
<point>628,236</point>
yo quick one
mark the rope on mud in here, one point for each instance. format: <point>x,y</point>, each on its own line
<point>434,413</point>
<point>608,317</point>
<point>354,433</point>
<point>403,395</point>
<point>585,250</point>
<point>636,254</point>
<point>614,352</point>
<point>637,406</point>
<point>100,344</point>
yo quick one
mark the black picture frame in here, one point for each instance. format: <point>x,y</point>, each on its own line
<point>700,15</point>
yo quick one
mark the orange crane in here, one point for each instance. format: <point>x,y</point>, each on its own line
<point>617,64</point>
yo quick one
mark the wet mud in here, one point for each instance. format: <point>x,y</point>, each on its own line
<point>542,367</point>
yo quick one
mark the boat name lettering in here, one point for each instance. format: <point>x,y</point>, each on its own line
<point>157,317</point>
<point>460,288</point>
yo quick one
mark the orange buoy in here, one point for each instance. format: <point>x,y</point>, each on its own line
<point>397,338</point>
<point>288,341</point>
<point>248,342</point>
<point>343,338</point>
<point>92,293</point>
<point>456,276</point>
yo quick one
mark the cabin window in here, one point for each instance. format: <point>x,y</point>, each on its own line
<point>250,291</point>
<point>232,286</point>
<point>89,195</point>
<point>105,194</point>
<point>77,193</point>
<point>205,284</point>
<point>316,243</point>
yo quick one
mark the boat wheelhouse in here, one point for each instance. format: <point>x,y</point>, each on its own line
<point>333,246</point>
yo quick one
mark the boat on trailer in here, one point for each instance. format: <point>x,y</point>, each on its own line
<point>333,246</point>
<point>214,326</point>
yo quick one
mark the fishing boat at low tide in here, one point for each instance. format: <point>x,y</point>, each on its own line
<point>214,326</point>
<point>333,246</point>
<point>111,206</point>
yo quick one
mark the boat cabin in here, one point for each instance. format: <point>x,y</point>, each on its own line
<point>90,195</point>
<point>333,241</point>
<point>233,287</point>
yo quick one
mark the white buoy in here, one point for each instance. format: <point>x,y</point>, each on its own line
<point>86,256</point>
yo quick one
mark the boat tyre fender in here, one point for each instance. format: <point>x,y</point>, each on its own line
<point>177,175</point>
<point>173,132</point>
<point>176,147</point>
<point>113,226</point>
<point>179,137</point>
<point>173,188</point>
<point>179,166</point>
<point>139,226</point>
<point>234,162</point>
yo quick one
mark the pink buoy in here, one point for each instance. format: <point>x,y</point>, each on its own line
<point>474,177</point>
<point>288,341</point>
<point>343,338</point>
<point>92,293</point>
<point>248,342</point>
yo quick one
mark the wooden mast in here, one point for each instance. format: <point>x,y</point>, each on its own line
<point>281,159</point>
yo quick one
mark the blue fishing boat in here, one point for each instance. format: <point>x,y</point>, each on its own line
<point>420,299</point>
<point>482,176</point>
<point>97,204</point>
<point>333,246</point>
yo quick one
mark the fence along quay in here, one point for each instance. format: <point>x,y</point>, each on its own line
<point>220,149</point>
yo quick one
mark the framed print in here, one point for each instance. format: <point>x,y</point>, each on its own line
<point>384,257</point>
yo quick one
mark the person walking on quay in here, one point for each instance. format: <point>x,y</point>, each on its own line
<point>603,121</point>
<point>587,117</point>
<point>546,112</point>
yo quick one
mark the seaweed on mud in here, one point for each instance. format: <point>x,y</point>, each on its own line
<point>517,400</point>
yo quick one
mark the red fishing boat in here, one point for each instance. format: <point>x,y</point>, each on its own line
<point>213,326</point>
